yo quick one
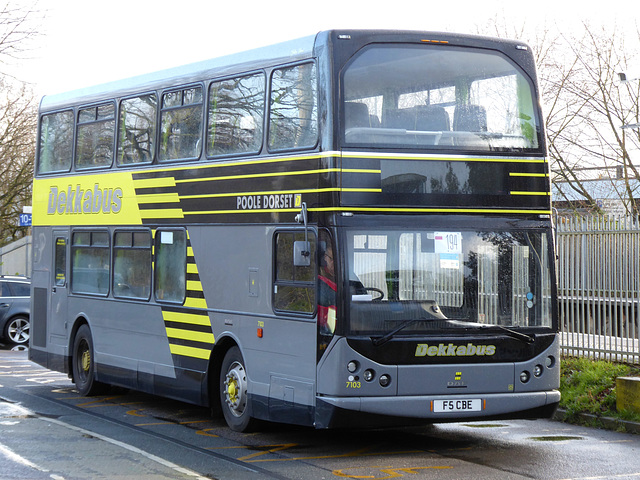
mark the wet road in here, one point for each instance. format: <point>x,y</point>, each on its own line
<point>48,431</point>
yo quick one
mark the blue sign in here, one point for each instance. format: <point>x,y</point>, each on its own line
<point>25,219</point>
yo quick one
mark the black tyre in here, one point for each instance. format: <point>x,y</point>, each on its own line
<point>82,364</point>
<point>234,401</point>
<point>16,331</point>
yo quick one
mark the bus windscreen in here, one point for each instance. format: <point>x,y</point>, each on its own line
<point>448,279</point>
<point>438,97</point>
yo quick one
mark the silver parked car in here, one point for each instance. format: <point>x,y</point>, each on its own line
<point>15,309</point>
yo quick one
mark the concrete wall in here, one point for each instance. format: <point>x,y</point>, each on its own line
<point>628,394</point>
<point>15,258</point>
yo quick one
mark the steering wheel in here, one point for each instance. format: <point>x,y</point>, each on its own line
<point>377,290</point>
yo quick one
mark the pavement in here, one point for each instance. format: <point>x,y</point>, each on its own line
<point>109,458</point>
<point>610,423</point>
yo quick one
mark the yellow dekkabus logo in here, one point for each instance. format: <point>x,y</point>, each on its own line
<point>78,200</point>
<point>454,350</point>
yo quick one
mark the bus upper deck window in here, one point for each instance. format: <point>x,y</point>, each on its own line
<point>95,138</point>
<point>137,130</point>
<point>293,119</point>
<point>235,116</point>
<point>56,142</point>
<point>181,124</point>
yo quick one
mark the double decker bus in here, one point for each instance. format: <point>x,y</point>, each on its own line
<point>352,228</point>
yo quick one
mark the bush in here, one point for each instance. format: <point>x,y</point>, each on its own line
<point>589,386</point>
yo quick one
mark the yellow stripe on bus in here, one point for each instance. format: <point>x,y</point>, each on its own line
<point>195,302</point>
<point>154,182</point>
<point>365,190</point>
<point>256,210</point>
<point>190,318</point>
<point>194,285</point>
<point>190,351</point>
<point>427,210</point>
<point>158,198</point>
<point>190,335</point>
<point>521,174</point>
<point>162,213</point>
<point>192,268</point>
<point>531,193</point>
<point>361,170</point>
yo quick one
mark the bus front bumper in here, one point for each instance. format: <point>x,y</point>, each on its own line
<point>447,408</point>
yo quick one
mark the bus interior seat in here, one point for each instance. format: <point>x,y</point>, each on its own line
<point>432,118</point>
<point>470,118</point>
<point>356,115</point>
<point>402,118</point>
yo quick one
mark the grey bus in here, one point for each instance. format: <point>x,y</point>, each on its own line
<point>352,228</point>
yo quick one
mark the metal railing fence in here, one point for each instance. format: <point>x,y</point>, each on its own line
<point>599,286</point>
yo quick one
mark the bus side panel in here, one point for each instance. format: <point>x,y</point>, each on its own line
<point>127,335</point>
<point>278,350</point>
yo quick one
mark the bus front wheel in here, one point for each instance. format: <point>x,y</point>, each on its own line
<point>82,363</point>
<point>236,407</point>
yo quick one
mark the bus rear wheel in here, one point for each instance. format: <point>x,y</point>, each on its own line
<point>82,364</point>
<point>234,400</point>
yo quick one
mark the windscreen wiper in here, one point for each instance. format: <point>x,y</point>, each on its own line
<point>377,341</point>
<point>523,337</point>
<point>429,306</point>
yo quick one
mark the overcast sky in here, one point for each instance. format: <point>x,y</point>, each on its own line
<point>87,42</point>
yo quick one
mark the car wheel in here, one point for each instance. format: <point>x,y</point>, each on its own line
<point>234,400</point>
<point>17,330</point>
<point>82,364</point>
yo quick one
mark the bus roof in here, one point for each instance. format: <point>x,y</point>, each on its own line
<point>215,67</point>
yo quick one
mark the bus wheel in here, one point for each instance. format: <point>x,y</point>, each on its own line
<point>82,363</point>
<point>233,392</point>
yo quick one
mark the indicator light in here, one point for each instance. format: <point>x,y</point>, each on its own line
<point>434,41</point>
<point>352,366</point>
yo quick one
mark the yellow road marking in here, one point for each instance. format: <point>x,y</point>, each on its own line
<point>362,452</point>
<point>276,449</point>
<point>391,472</point>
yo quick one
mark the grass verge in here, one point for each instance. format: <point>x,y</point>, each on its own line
<point>589,387</point>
